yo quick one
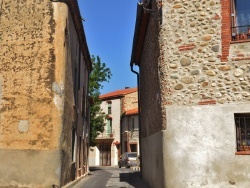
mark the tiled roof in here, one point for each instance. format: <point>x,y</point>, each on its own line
<point>132,112</point>
<point>118,93</point>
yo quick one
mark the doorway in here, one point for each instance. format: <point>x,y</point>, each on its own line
<point>105,155</point>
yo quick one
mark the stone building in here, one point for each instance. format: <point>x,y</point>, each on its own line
<point>108,144</point>
<point>44,106</point>
<point>194,65</point>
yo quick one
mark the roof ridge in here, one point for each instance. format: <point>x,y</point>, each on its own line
<point>118,93</point>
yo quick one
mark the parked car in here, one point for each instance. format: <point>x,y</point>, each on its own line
<point>128,159</point>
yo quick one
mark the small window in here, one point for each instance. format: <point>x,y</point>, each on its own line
<point>133,124</point>
<point>109,107</point>
<point>133,147</point>
<point>242,122</point>
<point>240,13</point>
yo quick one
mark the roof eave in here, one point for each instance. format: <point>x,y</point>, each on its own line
<point>139,35</point>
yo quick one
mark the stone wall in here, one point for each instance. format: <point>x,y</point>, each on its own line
<point>130,101</point>
<point>202,87</point>
<point>204,81</point>
<point>190,67</point>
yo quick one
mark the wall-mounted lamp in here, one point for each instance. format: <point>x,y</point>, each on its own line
<point>155,12</point>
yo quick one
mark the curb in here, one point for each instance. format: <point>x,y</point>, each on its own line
<point>73,183</point>
<point>135,168</point>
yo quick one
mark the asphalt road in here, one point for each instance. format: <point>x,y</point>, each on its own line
<point>112,177</point>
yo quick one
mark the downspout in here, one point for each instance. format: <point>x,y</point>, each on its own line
<point>139,114</point>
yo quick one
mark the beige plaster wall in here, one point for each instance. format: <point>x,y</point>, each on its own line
<point>92,156</point>
<point>152,160</point>
<point>75,80</point>
<point>199,147</point>
<point>35,101</point>
<point>29,115</point>
<point>30,168</point>
<point>115,114</point>
<point>64,87</point>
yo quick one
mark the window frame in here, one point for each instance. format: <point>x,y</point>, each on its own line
<point>109,107</point>
<point>237,36</point>
<point>242,138</point>
<point>109,124</point>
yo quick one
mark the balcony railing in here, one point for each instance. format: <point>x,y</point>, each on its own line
<point>240,33</point>
<point>132,135</point>
<point>106,134</point>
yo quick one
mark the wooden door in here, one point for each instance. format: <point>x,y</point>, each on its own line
<point>105,155</point>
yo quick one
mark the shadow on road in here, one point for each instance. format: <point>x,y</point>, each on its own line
<point>93,169</point>
<point>134,179</point>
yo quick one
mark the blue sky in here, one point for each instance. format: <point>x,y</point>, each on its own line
<point>109,28</point>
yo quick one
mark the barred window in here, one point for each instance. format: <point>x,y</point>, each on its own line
<point>242,122</point>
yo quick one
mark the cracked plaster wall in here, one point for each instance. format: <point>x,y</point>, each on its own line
<point>31,92</point>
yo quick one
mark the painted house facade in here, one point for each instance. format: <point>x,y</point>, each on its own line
<point>108,143</point>
<point>44,106</point>
<point>194,92</point>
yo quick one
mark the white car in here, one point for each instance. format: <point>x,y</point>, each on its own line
<point>128,159</point>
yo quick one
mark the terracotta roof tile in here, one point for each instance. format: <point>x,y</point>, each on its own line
<point>118,93</point>
<point>132,111</point>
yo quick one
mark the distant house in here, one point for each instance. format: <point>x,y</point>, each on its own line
<point>108,146</point>
<point>194,81</point>
<point>130,131</point>
<point>44,106</point>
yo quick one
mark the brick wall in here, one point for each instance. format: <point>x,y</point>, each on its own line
<point>151,116</point>
<point>225,29</point>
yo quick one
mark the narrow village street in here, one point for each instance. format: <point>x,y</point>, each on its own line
<point>112,177</point>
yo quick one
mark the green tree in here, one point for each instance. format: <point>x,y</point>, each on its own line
<point>100,73</point>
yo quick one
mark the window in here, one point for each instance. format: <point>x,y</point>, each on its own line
<point>240,13</point>
<point>109,126</point>
<point>109,107</point>
<point>133,148</point>
<point>133,124</point>
<point>242,122</point>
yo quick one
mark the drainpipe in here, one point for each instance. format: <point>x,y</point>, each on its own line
<point>139,113</point>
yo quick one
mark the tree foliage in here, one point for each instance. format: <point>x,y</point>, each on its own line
<point>99,74</point>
